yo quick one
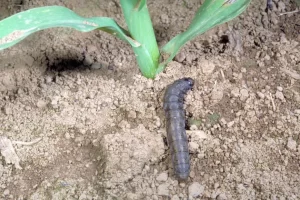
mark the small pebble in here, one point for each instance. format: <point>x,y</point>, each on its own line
<point>7,110</point>
<point>235,92</point>
<point>207,66</point>
<point>67,135</point>
<point>96,65</point>
<point>244,94</point>
<point>217,94</point>
<point>279,95</point>
<point>196,190</point>
<point>163,190</point>
<point>132,114</point>
<point>193,127</point>
<point>27,108</point>
<point>197,45</point>
<point>175,197</point>
<point>279,88</point>
<point>194,147</point>
<point>182,185</point>
<point>199,135</point>
<point>221,197</point>
<point>6,192</point>
<point>41,104</point>
<point>180,57</point>
<point>88,60</point>
<point>48,79</point>
<point>260,95</point>
<point>230,124</point>
<point>130,196</point>
<point>291,144</point>
<point>164,18</point>
<point>162,177</point>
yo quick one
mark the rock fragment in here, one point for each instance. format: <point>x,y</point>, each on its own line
<point>291,144</point>
<point>163,190</point>
<point>279,95</point>
<point>193,147</point>
<point>207,67</point>
<point>8,152</point>
<point>195,190</point>
<point>244,94</point>
<point>175,197</point>
<point>41,104</point>
<point>221,196</point>
<point>163,177</point>
<point>199,135</point>
<point>180,57</point>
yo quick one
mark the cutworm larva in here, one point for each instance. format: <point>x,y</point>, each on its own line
<point>175,118</point>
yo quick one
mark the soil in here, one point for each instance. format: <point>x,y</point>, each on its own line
<point>102,126</point>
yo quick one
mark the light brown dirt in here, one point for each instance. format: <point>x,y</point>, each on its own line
<point>103,129</point>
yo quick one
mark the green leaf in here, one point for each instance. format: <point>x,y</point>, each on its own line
<point>210,14</point>
<point>140,4</point>
<point>18,26</point>
<point>140,27</point>
<point>298,2</point>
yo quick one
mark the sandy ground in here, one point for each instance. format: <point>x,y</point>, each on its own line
<point>101,125</point>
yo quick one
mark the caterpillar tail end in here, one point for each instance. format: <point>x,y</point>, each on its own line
<point>182,177</point>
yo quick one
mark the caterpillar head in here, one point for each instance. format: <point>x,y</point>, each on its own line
<point>188,83</point>
<point>179,87</point>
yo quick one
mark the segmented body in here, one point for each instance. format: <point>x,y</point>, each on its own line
<point>176,134</point>
<point>269,4</point>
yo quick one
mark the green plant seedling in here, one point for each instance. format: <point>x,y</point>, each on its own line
<point>140,34</point>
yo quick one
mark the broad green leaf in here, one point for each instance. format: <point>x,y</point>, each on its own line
<point>210,14</point>
<point>16,27</point>
<point>140,27</point>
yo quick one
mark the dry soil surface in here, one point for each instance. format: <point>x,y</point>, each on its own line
<point>97,126</point>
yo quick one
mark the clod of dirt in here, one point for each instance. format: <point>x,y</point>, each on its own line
<point>291,144</point>
<point>244,94</point>
<point>61,189</point>
<point>193,147</point>
<point>175,197</point>
<point>180,57</point>
<point>129,150</point>
<point>217,94</point>
<point>279,95</point>
<point>8,152</point>
<point>163,190</point>
<point>207,66</point>
<point>197,135</point>
<point>221,197</point>
<point>163,177</point>
<point>195,190</point>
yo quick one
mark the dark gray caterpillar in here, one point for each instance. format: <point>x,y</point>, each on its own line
<point>269,4</point>
<point>176,135</point>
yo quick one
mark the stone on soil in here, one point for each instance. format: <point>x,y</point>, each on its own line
<point>162,177</point>
<point>196,190</point>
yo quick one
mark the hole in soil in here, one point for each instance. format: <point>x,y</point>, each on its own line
<point>18,2</point>
<point>61,65</point>
<point>224,39</point>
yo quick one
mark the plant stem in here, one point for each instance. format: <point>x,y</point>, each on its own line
<point>140,27</point>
